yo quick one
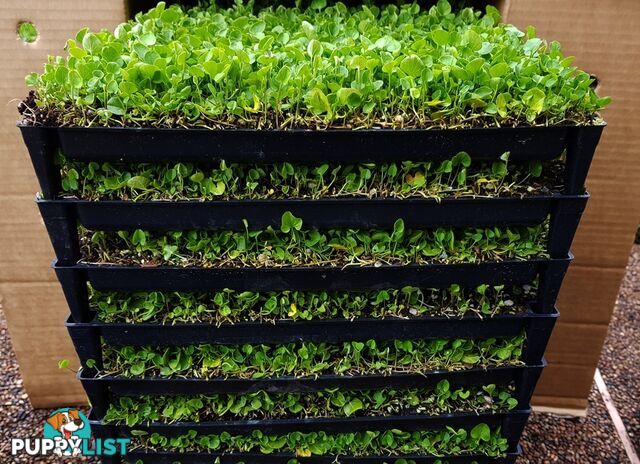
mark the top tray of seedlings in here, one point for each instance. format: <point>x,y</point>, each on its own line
<point>320,84</point>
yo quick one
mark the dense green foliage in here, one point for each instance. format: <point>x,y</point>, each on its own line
<point>457,177</point>
<point>297,461</point>
<point>329,403</point>
<point>481,439</point>
<point>391,66</point>
<point>294,246</point>
<point>310,359</point>
<point>229,306</point>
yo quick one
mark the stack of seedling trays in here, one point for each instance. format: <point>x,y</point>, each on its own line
<point>323,304</point>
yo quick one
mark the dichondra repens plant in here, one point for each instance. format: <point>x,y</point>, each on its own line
<point>481,439</point>
<point>456,177</point>
<point>292,245</point>
<point>229,306</point>
<point>337,66</point>
<point>442,399</point>
<point>310,359</point>
<point>317,67</point>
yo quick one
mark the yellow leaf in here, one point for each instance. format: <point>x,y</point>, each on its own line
<point>210,363</point>
<point>256,105</point>
<point>303,453</point>
<point>293,311</point>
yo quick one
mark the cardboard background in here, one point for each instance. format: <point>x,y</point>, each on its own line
<point>603,34</point>
<point>29,290</point>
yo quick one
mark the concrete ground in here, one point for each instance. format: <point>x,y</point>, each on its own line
<point>548,439</point>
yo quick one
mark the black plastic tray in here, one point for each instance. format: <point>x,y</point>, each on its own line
<point>74,279</point>
<point>122,386</point>
<point>511,424</point>
<point>265,146</point>
<point>88,337</point>
<point>329,330</point>
<point>251,146</point>
<point>62,216</point>
<point>101,389</point>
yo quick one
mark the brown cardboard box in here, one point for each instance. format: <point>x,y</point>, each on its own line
<point>30,295</point>
<point>603,34</point>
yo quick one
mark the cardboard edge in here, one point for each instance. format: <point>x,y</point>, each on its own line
<point>504,6</point>
<point>571,412</point>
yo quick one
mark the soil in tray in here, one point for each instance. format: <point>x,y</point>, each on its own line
<point>455,178</point>
<point>293,245</point>
<point>228,306</point>
<point>334,403</point>
<point>311,359</point>
<point>481,439</point>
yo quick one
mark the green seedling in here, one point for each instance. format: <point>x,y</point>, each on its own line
<point>456,178</point>
<point>481,439</point>
<point>228,306</point>
<point>311,359</point>
<point>27,32</point>
<point>293,245</point>
<point>324,66</point>
<point>262,405</point>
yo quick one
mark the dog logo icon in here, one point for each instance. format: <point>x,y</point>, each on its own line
<point>69,427</point>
